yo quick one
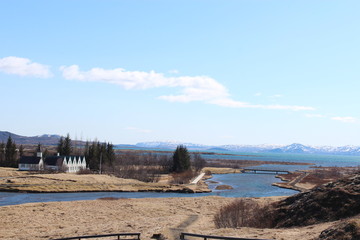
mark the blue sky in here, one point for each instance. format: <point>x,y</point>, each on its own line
<point>210,72</point>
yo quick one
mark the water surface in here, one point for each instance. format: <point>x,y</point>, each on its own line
<point>244,185</point>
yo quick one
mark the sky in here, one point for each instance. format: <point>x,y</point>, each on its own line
<point>201,71</point>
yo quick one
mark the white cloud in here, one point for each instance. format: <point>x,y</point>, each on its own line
<point>258,94</point>
<point>197,88</point>
<point>345,119</point>
<point>24,67</point>
<point>139,130</point>
<point>314,115</point>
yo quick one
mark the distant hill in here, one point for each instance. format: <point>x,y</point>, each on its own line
<point>262,148</point>
<point>297,148</point>
<point>45,139</point>
<point>217,149</point>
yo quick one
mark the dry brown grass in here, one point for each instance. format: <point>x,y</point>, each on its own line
<point>218,170</point>
<point>12,172</point>
<point>306,180</point>
<point>168,216</point>
<point>323,175</point>
<point>66,182</point>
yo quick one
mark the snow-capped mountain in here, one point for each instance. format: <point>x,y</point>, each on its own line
<point>271,148</point>
<point>251,148</point>
<point>295,148</point>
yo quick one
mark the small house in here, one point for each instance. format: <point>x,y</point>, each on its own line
<point>31,163</point>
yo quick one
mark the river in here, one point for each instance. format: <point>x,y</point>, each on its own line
<point>244,185</point>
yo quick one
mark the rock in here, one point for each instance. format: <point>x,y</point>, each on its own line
<point>224,187</point>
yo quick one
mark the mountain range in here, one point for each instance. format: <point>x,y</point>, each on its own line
<point>48,139</point>
<point>262,148</point>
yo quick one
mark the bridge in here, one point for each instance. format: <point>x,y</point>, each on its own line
<point>264,171</point>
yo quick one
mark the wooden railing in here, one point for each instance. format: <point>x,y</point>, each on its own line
<point>205,237</point>
<point>135,236</point>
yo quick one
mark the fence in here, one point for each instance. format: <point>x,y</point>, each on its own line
<point>206,237</point>
<point>136,236</point>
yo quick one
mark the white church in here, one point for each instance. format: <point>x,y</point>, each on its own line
<point>70,164</point>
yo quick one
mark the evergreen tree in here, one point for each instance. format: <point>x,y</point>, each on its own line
<point>10,153</point>
<point>86,150</point>
<point>97,154</point>
<point>110,154</point>
<point>2,154</point>
<point>181,160</point>
<point>64,147</point>
<point>93,158</point>
<point>67,148</point>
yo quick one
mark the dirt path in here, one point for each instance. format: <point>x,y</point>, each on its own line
<point>299,179</point>
<point>182,226</point>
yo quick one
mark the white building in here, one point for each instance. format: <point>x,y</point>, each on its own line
<point>69,164</point>
<point>31,163</point>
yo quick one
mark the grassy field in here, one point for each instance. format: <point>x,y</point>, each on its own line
<point>14,180</point>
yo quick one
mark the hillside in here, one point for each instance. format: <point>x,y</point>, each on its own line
<point>45,139</point>
<point>330,202</point>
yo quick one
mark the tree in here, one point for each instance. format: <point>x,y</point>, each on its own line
<point>67,148</point>
<point>110,154</point>
<point>2,154</point>
<point>10,153</point>
<point>92,155</point>
<point>64,147</point>
<point>97,154</point>
<point>199,162</point>
<point>181,159</point>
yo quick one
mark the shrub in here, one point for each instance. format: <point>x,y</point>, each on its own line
<point>84,171</point>
<point>182,178</point>
<point>141,173</point>
<point>243,213</point>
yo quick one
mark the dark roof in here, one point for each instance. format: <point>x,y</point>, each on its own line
<point>72,156</point>
<point>53,160</point>
<point>29,160</point>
